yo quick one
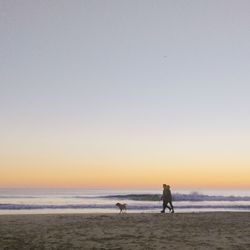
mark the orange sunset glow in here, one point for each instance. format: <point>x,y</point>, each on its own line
<point>112,94</point>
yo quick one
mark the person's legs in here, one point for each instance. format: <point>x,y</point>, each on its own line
<point>162,211</point>
<point>169,208</point>
<point>172,207</point>
<point>164,206</point>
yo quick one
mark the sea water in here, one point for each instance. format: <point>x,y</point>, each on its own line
<point>44,201</point>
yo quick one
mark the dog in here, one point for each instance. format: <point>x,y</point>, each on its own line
<point>122,207</point>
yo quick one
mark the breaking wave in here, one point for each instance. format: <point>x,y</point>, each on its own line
<point>179,197</point>
<point>136,202</point>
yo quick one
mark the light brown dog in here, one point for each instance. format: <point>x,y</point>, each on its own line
<point>122,207</point>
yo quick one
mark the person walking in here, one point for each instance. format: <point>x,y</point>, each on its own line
<point>167,199</point>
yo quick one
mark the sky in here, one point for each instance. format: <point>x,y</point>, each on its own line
<point>135,93</point>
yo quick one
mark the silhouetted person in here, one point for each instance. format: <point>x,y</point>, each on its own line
<point>167,199</point>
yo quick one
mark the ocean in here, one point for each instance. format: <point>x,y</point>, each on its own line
<point>45,201</point>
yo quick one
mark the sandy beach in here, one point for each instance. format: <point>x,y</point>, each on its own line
<point>215,230</point>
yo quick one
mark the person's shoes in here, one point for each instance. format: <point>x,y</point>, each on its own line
<point>162,211</point>
<point>172,211</point>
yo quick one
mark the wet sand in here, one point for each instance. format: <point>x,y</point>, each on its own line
<point>215,230</point>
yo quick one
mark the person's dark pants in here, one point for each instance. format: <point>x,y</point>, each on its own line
<point>165,205</point>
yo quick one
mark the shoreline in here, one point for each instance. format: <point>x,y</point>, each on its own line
<point>117,212</point>
<point>197,230</point>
